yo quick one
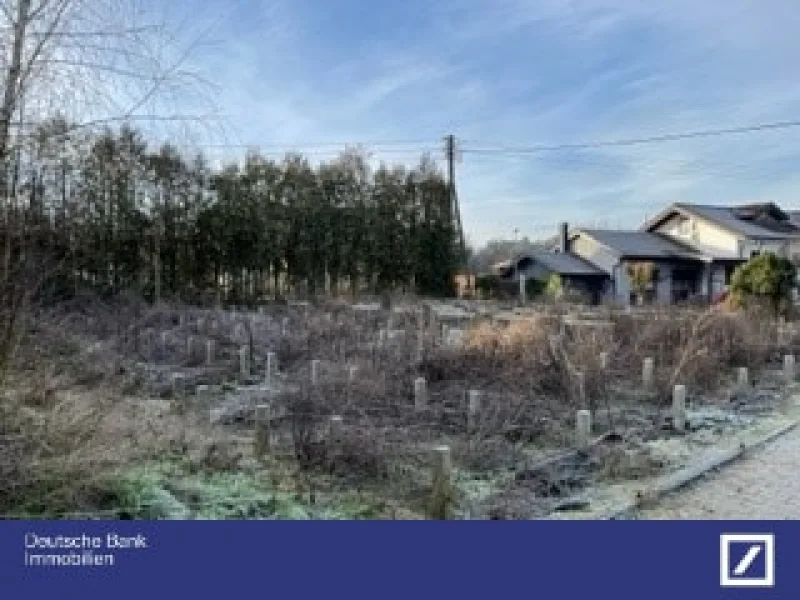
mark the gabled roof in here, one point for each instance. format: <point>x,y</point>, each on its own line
<point>642,245</point>
<point>758,221</point>
<point>555,262</point>
<point>565,263</point>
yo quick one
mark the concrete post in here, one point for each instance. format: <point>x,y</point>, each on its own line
<point>315,365</point>
<point>743,379</point>
<point>604,361</point>
<point>272,362</point>
<point>262,432</point>
<point>648,370</point>
<point>420,393</point>
<point>178,385</point>
<point>244,366</point>
<point>583,428</point>
<point>788,368</point>
<point>351,373</point>
<point>679,408</point>
<point>209,352</point>
<point>164,340</point>
<point>382,337</point>
<point>335,429</point>
<point>190,347</point>
<point>473,407</point>
<point>581,383</point>
<point>285,326</point>
<point>442,483</point>
<point>203,394</point>
<point>522,288</point>
<point>420,349</point>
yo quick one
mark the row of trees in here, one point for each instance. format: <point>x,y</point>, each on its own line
<point>109,213</point>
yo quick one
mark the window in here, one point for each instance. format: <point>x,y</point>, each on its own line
<point>754,253</point>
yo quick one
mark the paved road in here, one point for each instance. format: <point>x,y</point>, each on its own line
<point>763,486</point>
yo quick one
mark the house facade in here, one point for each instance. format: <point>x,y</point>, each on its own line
<point>673,272</point>
<point>686,252</point>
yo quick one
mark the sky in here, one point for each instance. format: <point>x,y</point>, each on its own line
<point>507,76</point>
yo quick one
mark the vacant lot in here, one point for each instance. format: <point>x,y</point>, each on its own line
<point>365,411</point>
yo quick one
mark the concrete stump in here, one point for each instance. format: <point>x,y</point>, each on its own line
<point>442,492</point>
<point>315,368</point>
<point>648,371</point>
<point>272,365</point>
<point>473,407</point>
<point>335,429</point>
<point>789,368</point>
<point>743,378</point>
<point>420,393</point>
<point>178,385</point>
<point>209,352</point>
<point>679,408</point>
<point>262,440</point>
<point>244,363</point>
<point>583,429</point>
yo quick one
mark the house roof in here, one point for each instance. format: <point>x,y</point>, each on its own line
<point>565,263</point>
<point>642,244</point>
<point>759,221</point>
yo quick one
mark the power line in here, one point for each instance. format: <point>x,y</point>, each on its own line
<point>670,137</point>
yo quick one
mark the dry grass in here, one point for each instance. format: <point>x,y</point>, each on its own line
<point>68,427</point>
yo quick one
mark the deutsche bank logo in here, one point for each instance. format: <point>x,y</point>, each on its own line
<point>747,560</point>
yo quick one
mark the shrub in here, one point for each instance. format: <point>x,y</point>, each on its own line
<point>767,278</point>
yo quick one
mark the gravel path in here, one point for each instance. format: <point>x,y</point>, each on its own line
<point>763,486</point>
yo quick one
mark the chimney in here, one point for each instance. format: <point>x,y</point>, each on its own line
<point>563,238</point>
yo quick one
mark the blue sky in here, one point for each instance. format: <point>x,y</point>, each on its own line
<point>300,74</point>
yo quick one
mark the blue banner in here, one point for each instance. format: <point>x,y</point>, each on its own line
<point>642,560</point>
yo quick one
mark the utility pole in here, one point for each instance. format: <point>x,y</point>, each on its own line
<point>455,211</point>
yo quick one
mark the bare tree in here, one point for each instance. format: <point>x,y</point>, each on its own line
<point>91,63</point>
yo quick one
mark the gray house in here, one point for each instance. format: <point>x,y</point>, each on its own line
<point>577,275</point>
<point>677,272</point>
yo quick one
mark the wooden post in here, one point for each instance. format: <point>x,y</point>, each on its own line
<point>679,408</point>
<point>442,483</point>
<point>262,432</point>
<point>420,393</point>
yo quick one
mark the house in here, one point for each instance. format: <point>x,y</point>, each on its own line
<point>576,275</point>
<point>729,235</point>
<point>675,271</point>
<point>686,252</point>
